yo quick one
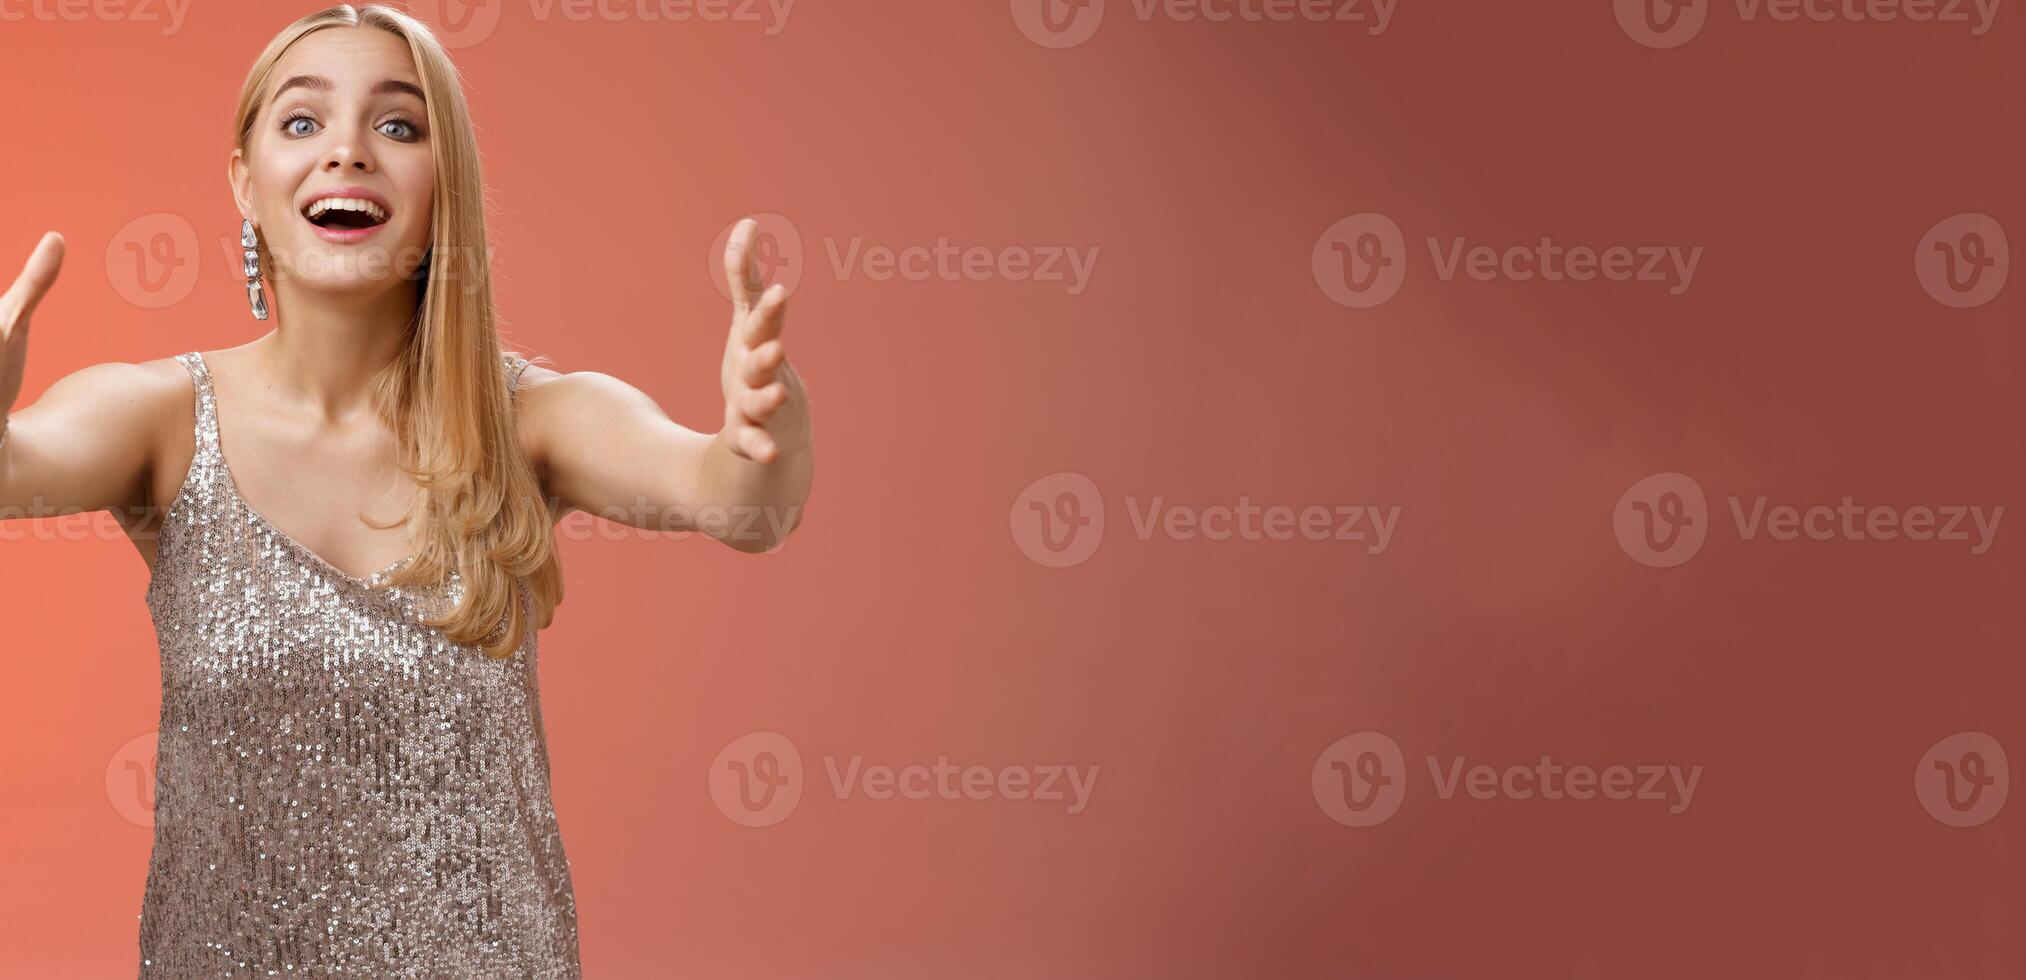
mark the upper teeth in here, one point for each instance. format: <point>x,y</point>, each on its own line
<point>321,205</point>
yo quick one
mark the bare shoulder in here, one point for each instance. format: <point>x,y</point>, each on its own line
<point>537,376</point>
<point>164,377</point>
<point>120,422</point>
<point>565,415</point>
<point>147,392</point>
<point>167,392</point>
<point>150,375</point>
<point>546,394</point>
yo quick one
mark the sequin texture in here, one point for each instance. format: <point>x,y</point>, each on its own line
<point>340,790</point>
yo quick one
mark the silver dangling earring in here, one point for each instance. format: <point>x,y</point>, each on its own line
<point>254,296</point>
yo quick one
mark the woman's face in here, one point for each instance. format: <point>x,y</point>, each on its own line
<point>338,172</point>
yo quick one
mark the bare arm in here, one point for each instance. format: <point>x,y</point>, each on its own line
<point>611,451</point>
<point>85,445</point>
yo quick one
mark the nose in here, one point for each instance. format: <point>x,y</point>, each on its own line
<point>349,153</point>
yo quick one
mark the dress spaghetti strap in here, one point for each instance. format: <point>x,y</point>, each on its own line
<point>207,408</point>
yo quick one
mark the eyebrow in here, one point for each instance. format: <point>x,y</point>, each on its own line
<point>322,84</point>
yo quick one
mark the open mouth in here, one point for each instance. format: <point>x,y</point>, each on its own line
<point>345,214</point>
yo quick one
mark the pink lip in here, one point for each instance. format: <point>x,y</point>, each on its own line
<point>346,236</point>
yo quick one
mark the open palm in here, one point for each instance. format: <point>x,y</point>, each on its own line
<point>763,395</point>
<point>17,305</point>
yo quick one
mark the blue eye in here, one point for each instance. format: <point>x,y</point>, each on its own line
<point>289,125</point>
<point>406,131</point>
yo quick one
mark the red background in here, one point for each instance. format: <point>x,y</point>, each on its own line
<point>1202,364</point>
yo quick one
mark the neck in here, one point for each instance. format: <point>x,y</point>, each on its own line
<point>327,348</point>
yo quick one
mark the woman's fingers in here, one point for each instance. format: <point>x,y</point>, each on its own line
<point>747,412</point>
<point>752,442</point>
<point>755,353</point>
<point>37,275</point>
<point>758,366</point>
<point>760,404</point>
<point>742,276</point>
<point>765,320</point>
<point>759,445</point>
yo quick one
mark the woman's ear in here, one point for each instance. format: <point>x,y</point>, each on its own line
<point>238,174</point>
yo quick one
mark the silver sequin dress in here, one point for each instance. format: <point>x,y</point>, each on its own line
<point>339,789</point>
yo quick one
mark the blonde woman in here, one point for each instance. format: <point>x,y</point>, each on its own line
<point>349,525</point>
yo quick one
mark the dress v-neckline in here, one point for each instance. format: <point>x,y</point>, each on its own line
<point>232,486</point>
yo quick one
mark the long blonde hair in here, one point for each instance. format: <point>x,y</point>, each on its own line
<point>479,504</point>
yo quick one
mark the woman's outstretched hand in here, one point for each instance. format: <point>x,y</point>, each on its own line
<point>766,408</point>
<point>85,444</point>
<point>16,306</point>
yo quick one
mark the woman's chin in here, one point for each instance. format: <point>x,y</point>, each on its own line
<point>352,291</point>
<point>350,270</point>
